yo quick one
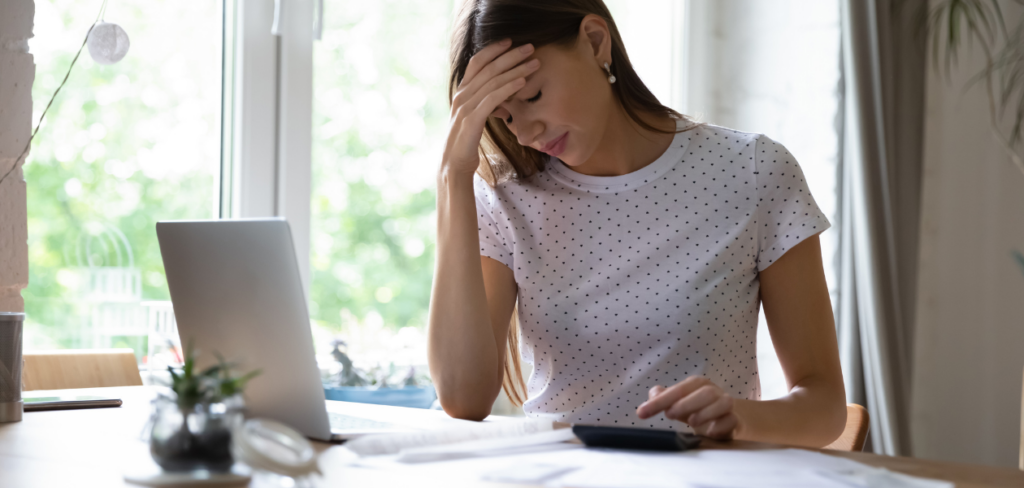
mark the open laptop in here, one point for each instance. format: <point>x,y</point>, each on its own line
<point>236,291</point>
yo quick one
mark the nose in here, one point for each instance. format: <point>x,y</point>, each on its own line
<point>528,132</point>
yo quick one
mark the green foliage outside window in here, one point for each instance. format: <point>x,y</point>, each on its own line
<point>130,144</point>
<point>380,116</point>
<point>123,146</point>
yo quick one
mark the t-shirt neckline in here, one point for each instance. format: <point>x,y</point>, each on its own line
<point>629,181</point>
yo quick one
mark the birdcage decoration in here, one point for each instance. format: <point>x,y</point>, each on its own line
<point>164,345</point>
<point>108,289</point>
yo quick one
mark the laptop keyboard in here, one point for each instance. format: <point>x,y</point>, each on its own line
<point>340,421</point>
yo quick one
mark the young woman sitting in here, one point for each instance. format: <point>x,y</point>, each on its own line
<point>621,248</point>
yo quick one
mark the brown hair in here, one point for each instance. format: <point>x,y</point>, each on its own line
<point>540,22</point>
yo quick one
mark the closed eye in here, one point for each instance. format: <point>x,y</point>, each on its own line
<point>529,100</point>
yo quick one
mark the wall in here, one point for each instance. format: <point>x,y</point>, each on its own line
<point>17,72</point>
<point>970,327</point>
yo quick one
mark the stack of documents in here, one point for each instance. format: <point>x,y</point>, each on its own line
<point>488,438</point>
<point>545,459</point>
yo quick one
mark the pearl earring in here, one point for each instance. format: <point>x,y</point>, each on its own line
<point>611,77</point>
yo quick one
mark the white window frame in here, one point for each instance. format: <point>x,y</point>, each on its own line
<point>268,122</point>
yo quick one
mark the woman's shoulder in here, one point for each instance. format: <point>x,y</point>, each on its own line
<point>725,136</point>
<point>752,144</point>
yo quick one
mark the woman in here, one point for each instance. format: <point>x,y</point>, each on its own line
<point>634,245</point>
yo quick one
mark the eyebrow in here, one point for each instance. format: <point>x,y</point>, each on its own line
<point>528,79</point>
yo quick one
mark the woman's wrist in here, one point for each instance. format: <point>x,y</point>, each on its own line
<point>739,409</point>
<point>448,174</point>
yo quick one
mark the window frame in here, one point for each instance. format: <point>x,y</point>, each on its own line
<point>268,97</point>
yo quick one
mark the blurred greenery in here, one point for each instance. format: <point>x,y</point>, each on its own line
<point>123,145</point>
<point>380,110</point>
<point>136,142</point>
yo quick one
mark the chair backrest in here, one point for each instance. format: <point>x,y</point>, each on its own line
<point>856,431</point>
<point>79,368</point>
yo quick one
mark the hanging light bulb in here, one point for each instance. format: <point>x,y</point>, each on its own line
<point>108,43</point>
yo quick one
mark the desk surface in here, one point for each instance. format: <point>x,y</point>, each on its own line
<point>86,448</point>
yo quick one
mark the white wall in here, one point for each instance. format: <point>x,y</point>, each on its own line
<point>970,311</point>
<point>17,71</point>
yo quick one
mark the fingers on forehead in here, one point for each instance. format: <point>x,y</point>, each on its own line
<point>491,51</point>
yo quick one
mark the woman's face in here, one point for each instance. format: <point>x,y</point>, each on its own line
<point>565,106</point>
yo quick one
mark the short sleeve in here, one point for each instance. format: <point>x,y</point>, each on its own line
<point>488,213</point>
<point>786,212</point>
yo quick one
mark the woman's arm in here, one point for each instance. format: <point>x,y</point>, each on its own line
<point>466,335</point>
<point>470,309</point>
<point>799,314</point>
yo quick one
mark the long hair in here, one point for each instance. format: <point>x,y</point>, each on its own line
<point>541,23</point>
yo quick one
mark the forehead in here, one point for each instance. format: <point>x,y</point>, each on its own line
<point>553,58</point>
<point>553,52</point>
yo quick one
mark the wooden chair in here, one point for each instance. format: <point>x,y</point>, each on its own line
<point>79,368</point>
<point>856,431</point>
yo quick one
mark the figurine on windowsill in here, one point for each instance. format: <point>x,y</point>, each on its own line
<point>377,385</point>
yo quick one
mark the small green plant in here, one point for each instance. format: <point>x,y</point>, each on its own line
<point>212,385</point>
<point>192,429</point>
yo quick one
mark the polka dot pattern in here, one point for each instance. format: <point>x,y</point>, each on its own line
<point>631,281</point>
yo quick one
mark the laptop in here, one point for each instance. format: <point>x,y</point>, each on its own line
<point>236,291</point>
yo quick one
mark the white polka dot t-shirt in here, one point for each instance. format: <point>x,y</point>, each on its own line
<point>626,282</point>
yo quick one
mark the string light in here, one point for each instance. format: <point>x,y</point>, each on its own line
<point>108,44</point>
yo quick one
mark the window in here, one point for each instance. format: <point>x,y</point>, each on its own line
<point>380,117</point>
<point>123,146</point>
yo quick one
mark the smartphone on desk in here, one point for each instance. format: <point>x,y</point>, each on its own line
<point>34,404</point>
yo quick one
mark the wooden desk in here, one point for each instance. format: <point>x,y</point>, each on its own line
<point>86,448</point>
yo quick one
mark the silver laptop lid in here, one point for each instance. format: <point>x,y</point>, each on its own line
<point>236,290</point>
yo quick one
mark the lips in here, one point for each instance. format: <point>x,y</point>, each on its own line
<point>556,146</point>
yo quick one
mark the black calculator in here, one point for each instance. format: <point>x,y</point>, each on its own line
<point>632,438</point>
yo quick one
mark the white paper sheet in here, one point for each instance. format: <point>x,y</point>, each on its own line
<point>382,444</point>
<point>541,441</point>
<point>601,468</point>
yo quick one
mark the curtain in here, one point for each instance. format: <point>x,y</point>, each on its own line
<point>881,134</point>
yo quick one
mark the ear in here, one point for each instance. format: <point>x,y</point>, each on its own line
<point>595,39</point>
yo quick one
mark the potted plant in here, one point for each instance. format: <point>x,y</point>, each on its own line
<point>191,424</point>
<point>379,386</point>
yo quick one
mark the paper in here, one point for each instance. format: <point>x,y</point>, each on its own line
<point>872,477</point>
<point>600,468</point>
<point>486,447</point>
<point>381,444</point>
<point>790,468</point>
<point>530,473</point>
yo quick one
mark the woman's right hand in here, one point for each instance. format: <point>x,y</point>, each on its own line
<point>493,75</point>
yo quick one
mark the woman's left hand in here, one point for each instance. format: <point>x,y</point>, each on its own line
<point>696,401</point>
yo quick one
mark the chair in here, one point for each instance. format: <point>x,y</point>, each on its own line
<point>856,431</point>
<point>79,368</point>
